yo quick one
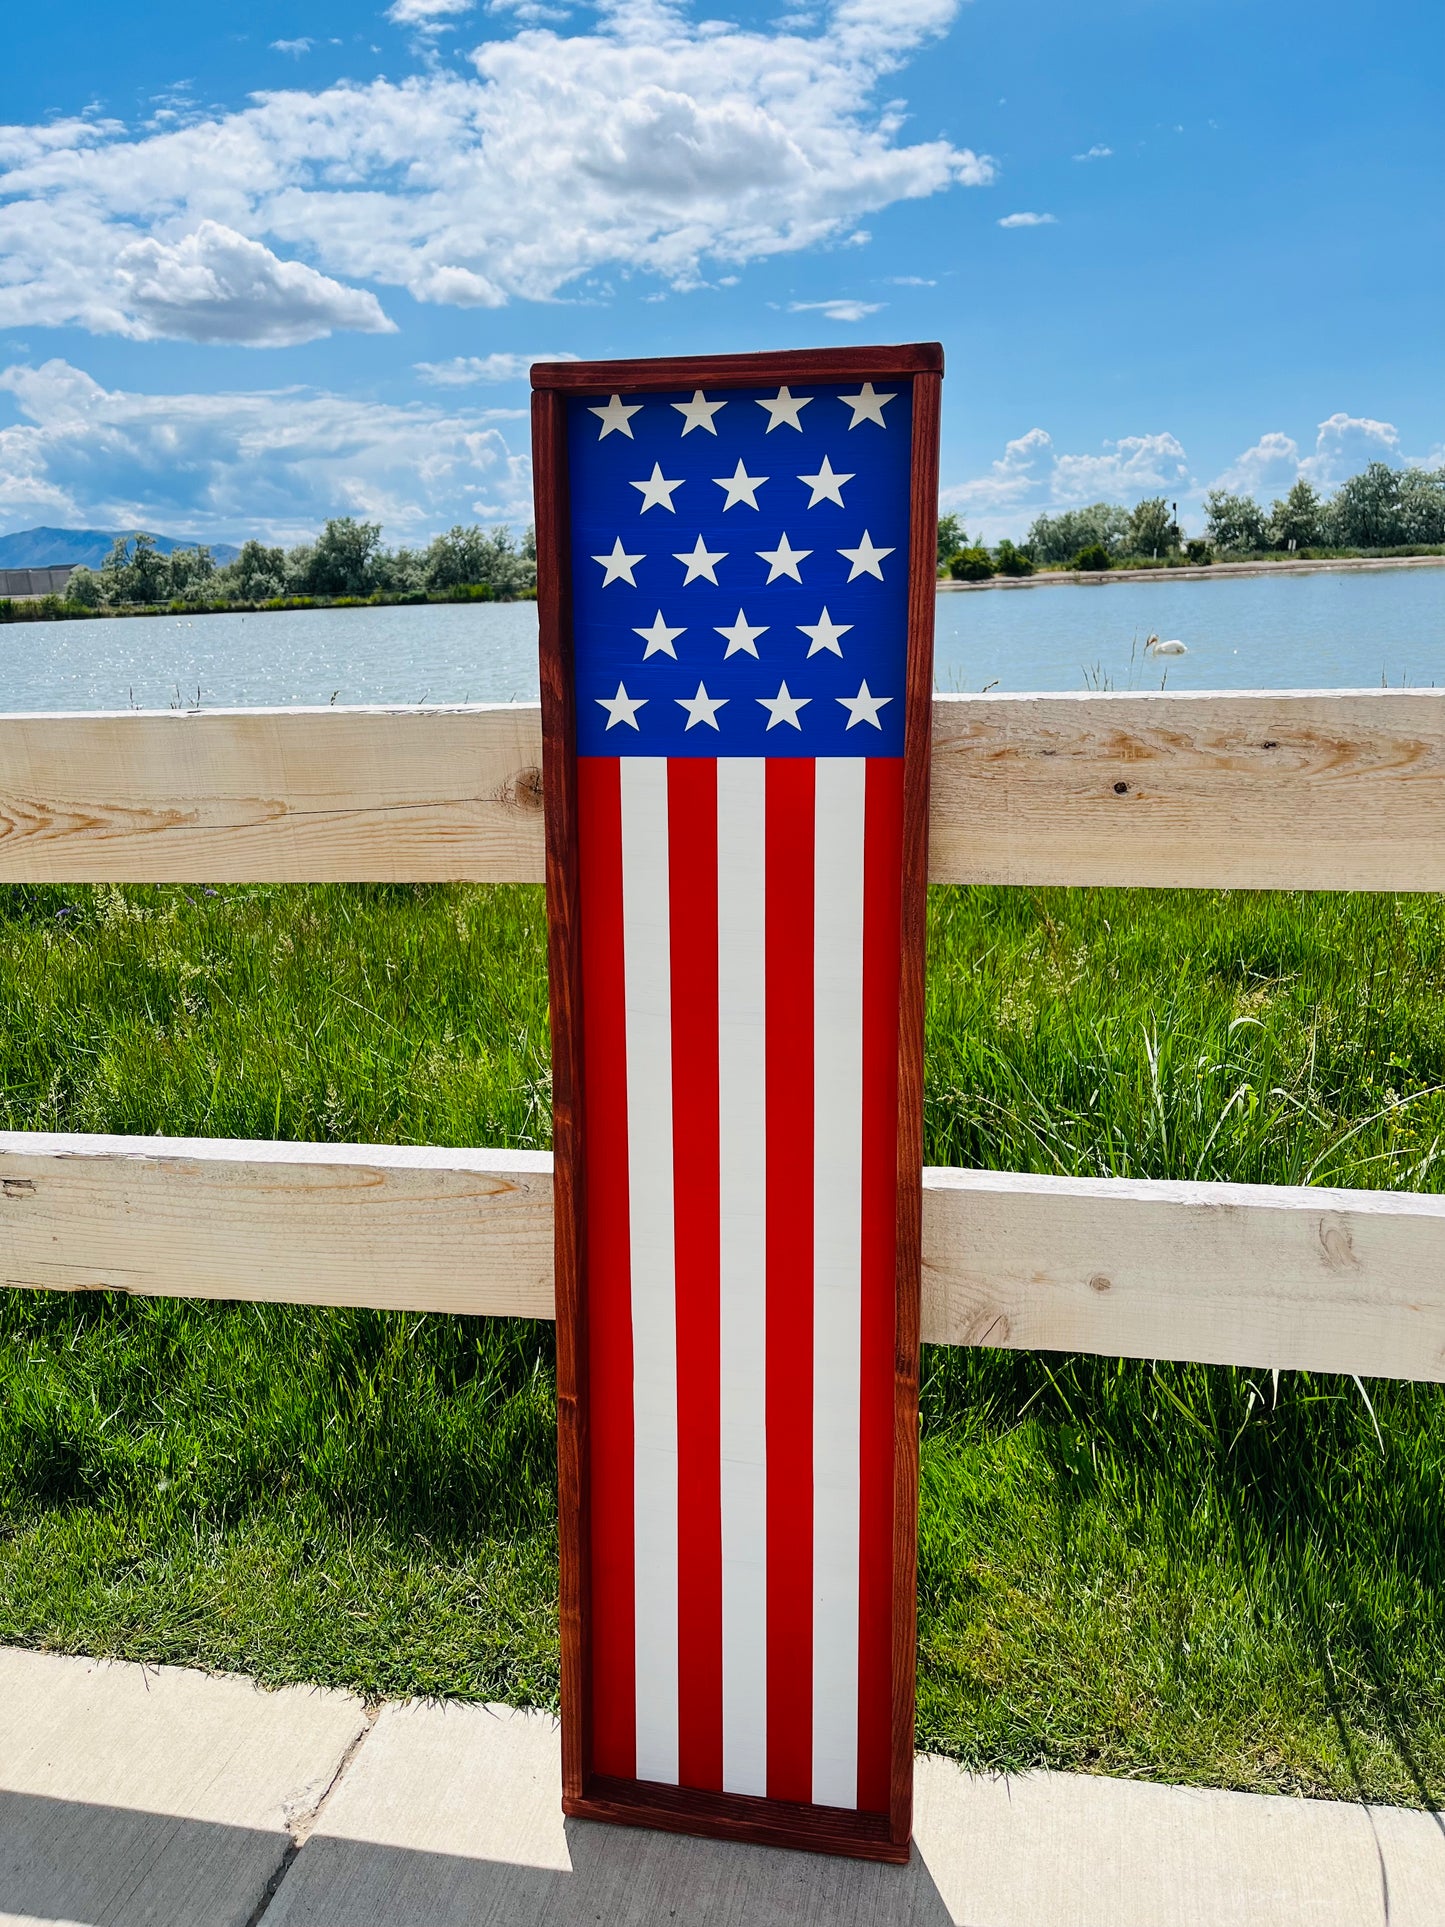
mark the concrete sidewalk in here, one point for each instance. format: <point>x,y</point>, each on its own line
<point>132,1797</point>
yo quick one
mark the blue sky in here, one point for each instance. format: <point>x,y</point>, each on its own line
<point>262,265</point>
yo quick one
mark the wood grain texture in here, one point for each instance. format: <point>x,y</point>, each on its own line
<point>1231,1274</point>
<point>1342,790</point>
<point>705,371</point>
<point>1228,1274</point>
<point>273,795</point>
<point>1311,791</point>
<point>309,1224</point>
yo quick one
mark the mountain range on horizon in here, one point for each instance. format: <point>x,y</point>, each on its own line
<point>88,548</point>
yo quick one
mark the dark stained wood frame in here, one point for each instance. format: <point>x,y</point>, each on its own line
<point>584,1793</point>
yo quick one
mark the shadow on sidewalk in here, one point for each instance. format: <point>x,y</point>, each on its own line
<point>73,1862</point>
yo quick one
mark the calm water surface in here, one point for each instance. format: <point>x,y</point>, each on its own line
<point>1255,632</point>
<point>1348,631</point>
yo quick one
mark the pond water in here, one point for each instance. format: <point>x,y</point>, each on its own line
<point>1352,630</point>
<point>1328,631</point>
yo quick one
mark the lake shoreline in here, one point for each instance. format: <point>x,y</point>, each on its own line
<point>1346,629</point>
<point>1205,572</point>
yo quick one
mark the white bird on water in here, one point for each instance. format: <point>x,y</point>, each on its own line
<point>1173,647</point>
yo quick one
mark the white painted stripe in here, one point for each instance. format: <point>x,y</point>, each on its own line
<point>648,1003</point>
<point>742,1149</point>
<point>837,1271</point>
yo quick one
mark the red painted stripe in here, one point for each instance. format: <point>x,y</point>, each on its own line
<point>692,882</point>
<point>789,1112</point>
<point>608,1275</point>
<point>882,938</point>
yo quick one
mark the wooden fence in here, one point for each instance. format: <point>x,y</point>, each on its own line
<point>1306,791</point>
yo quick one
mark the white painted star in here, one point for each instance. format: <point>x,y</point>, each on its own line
<point>741,486</point>
<point>864,707</point>
<point>784,708</point>
<point>657,493</point>
<point>698,413</point>
<point>658,638</point>
<point>784,559</point>
<point>622,708</point>
<point>866,558</point>
<point>867,405</point>
<point>827,486</point>
<point>741,635</point>
<point>618,564</point>
<point>701,708</point>
<point>784,408</point>
<point>617,414</point>
<point>702,561</point>
<point>824,633</point>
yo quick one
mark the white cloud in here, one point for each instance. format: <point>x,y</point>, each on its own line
<point>294,47</point>
<point>1032,478</point>
<point>209,284</point>
<point>531,13</point>
<point>1029,220</point>
<point>1344,444</point>
<point>464,371</point>
<point>1096,153</point>
<point>272,463</point>
<point>1347,443</point>
<point>911,281</point>
<point>843,310</point>
<point>647,143</point>
<point>424,13</point>
<point>215,285</point>
<point>1268,468</point>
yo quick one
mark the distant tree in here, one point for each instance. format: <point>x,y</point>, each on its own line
<point>1364,512</point>
<point>256,575</point>
<point>84,587</point>
<point>114,581</point>
<point>1056,538</point>
<point>1011,561</point>
<point>298,563</point>
<point>192,573</point>
<point>1422,505</point>
<point>1298,519</point>
<point>460,557</point>
<point>952,536</point>
<point>1235,521</point>
<point>1093,560</point>
<point>465,557</point>
<point>1152,528</point>
<point>399,571</point>
<point>343,559</point>
<point>135,571</point>
<point>971,565</point>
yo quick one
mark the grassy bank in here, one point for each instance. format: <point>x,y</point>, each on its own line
<point>54,608</point>
<point>1176,1571</point>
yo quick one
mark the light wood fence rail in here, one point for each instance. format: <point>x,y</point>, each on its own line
<point>1335,791</point>
<point>1324,791</point>
<point>1236,1274</point>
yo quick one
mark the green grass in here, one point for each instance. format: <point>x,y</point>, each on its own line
<point>1175,1571</point>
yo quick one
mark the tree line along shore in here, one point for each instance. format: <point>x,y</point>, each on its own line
<point>345,567</point>
<point>1382,513</point>
<point>1379,514</point>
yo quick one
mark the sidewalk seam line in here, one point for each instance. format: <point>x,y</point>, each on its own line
<point>304,1824</point>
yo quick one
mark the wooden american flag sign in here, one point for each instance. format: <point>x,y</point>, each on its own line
<point>736,579</point>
